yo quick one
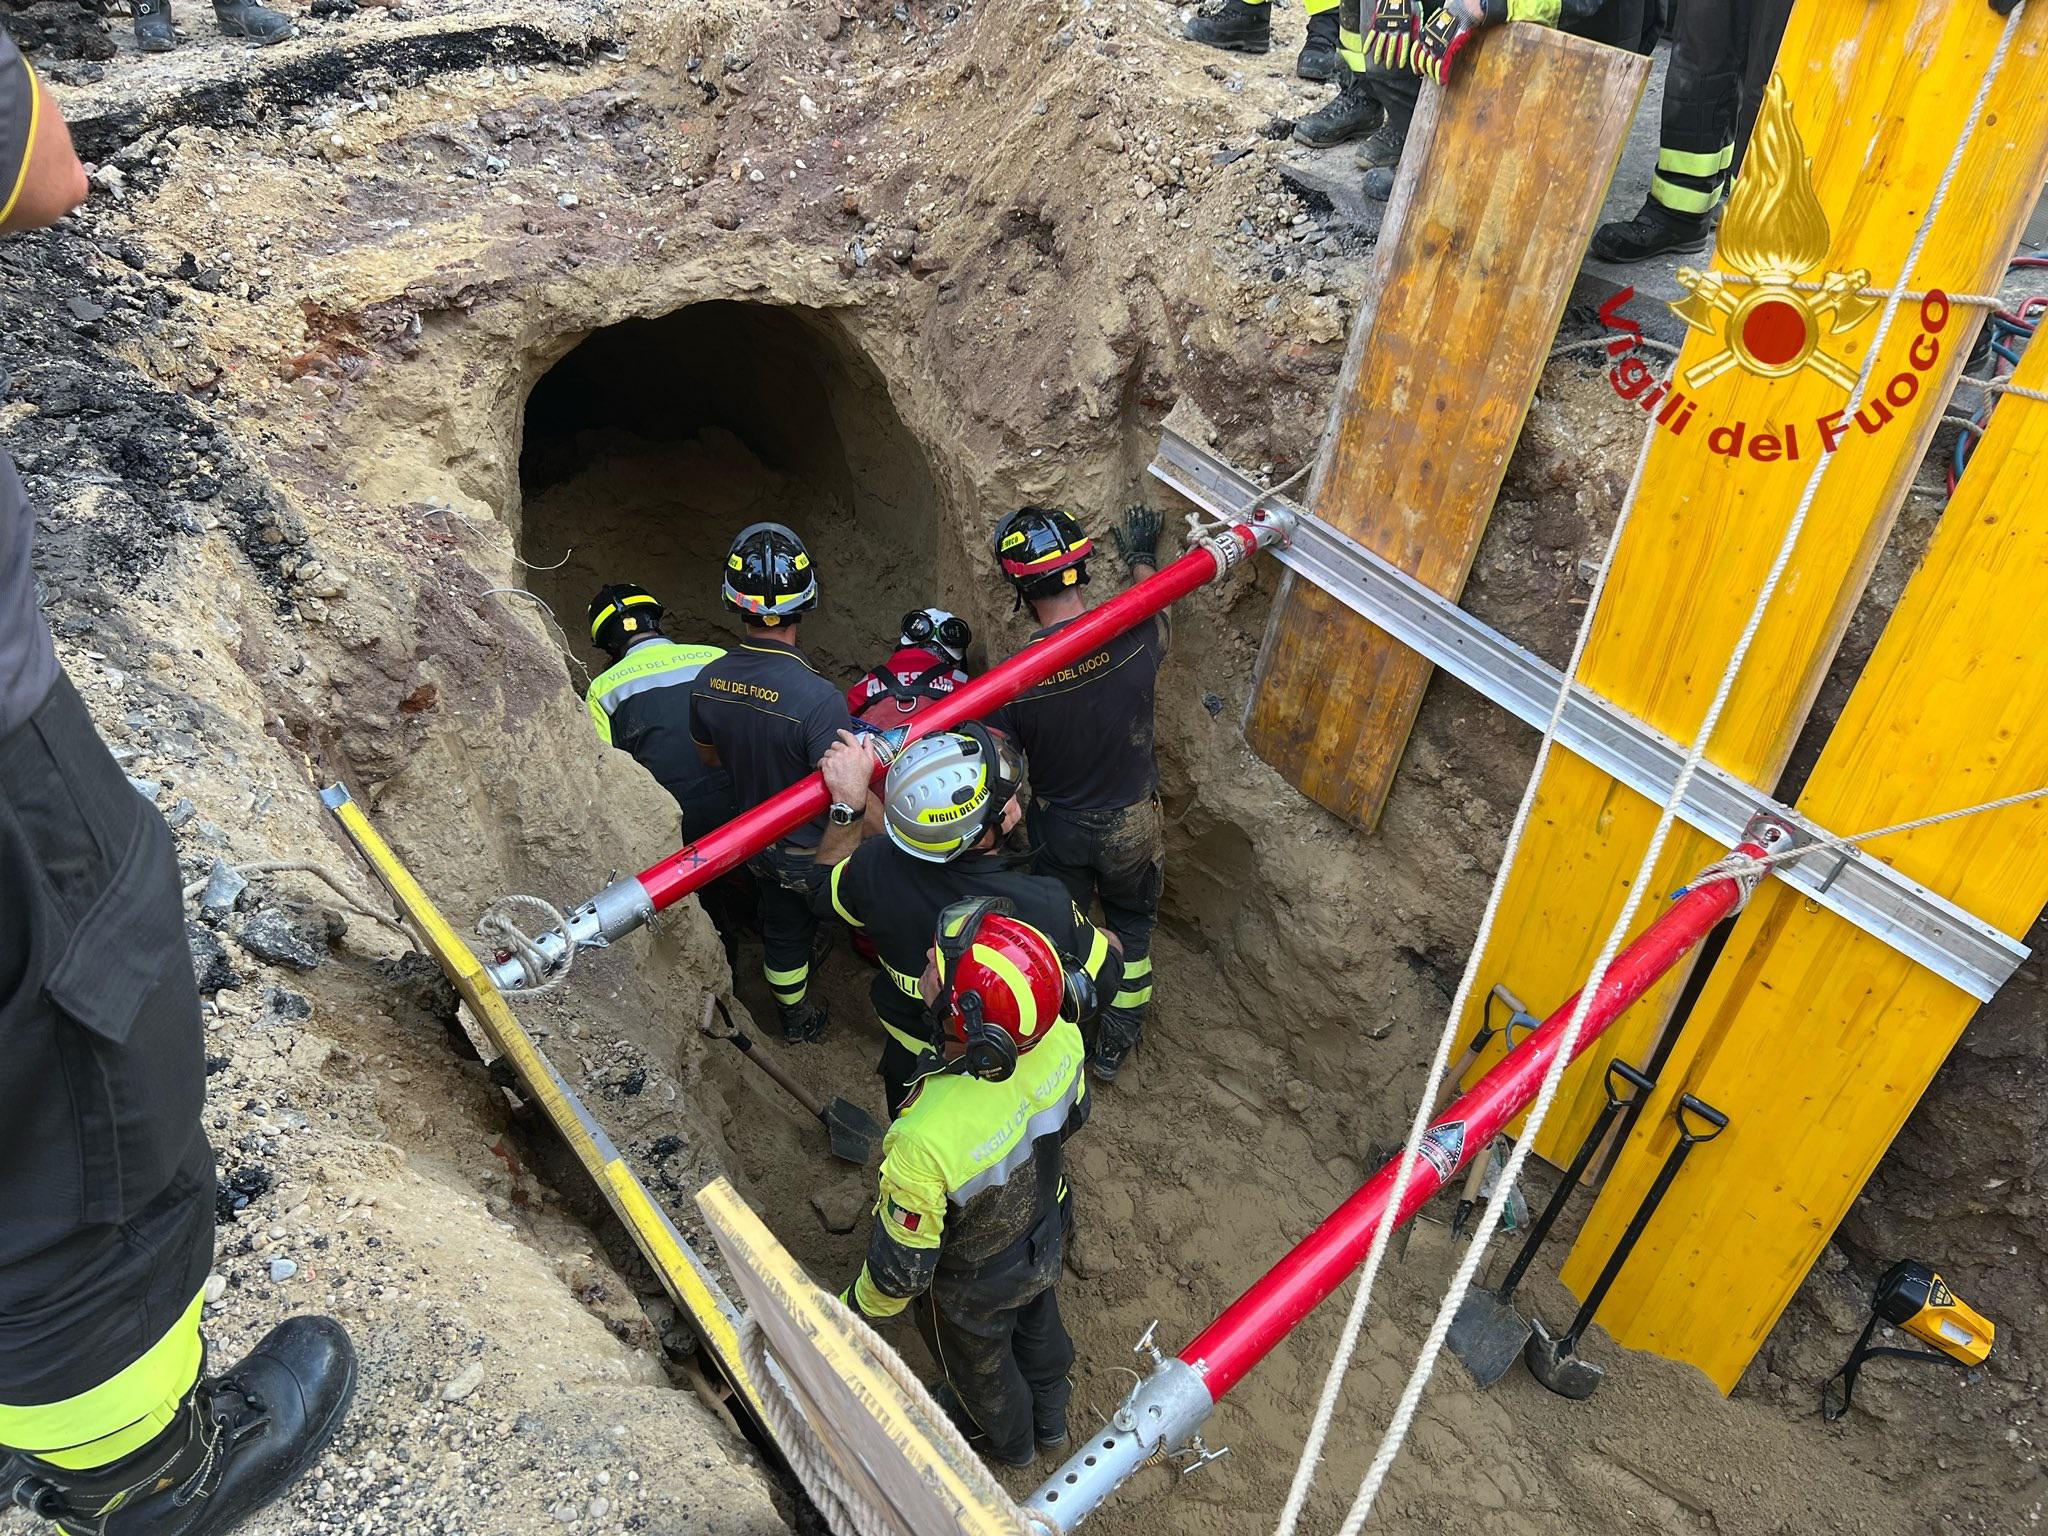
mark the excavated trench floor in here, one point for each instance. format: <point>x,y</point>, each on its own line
<point>646,447</point>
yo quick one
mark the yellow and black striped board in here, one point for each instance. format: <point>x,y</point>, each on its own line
<point>1878,94</point>
<point>1475,261</point>
<point>882,1443</point>
<point>1816,1038</point>
<point>686,1277</point>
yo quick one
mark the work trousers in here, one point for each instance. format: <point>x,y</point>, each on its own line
<point>729,900</point>
<point>1722,53</point>
<point>786,879</point>
<point>106,1179</point>
<point>1119,859</point>
<point>1002,1346</point>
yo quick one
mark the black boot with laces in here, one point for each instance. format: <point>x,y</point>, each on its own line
<point>238,1442</point>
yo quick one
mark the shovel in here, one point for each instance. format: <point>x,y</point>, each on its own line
<point>1488,1334</point>
<point>851,1129</point>
<point>1520,1018</point>
<point>1556,1362</point>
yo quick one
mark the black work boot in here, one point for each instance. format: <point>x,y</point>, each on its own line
<point>153,30</point>
<point>1235,27</point>
<point>1352,111</point>
<point>1383,146</point>
<point>802,1022</point>
<point>238,1442</point>
<point>1655,231</point>
<point>1318,57</point>
<point>1114,1043</point>
<point>245,18</point>
<point>1379,183</point>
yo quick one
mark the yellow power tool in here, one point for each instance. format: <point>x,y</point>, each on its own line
<point>1912,1297</point>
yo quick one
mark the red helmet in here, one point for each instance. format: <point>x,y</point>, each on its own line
<point>1002,985</point>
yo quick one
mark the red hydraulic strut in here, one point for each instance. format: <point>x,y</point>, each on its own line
<point>1264,1315</point>
<point>746,834</point>
<point>628,903</point>
<point>1167,1409</point>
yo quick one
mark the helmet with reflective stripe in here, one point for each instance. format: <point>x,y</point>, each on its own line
<point>1041,550</point>
<point>1001,984</point>
<point>620,614</point>
<point>946,789</point>
<point>768,575</point>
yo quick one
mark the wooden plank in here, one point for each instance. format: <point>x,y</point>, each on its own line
<point>1879,91</point>
<point>1817,1039</point>
<point>1482,239</point>
<point>881,1441</point>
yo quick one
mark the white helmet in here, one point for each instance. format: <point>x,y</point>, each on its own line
<point>947,789</point>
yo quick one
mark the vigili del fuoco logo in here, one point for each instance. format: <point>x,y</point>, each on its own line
<point>1775,311</point>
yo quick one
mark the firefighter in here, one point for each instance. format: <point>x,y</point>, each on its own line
<point>641,705</point>
<point>928,663</point>
<point>1722,52</point>
<point>1246,26</point>
<point>1086,733</point>
<point>237,18</point>
<point>972,1218</point>
<point>947,803</point>
<point>110,1419</point>
<point>762,712</point>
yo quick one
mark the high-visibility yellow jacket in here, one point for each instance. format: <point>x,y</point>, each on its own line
<point>970,1170</point>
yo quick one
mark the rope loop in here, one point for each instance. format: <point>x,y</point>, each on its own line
<point>496,924</point>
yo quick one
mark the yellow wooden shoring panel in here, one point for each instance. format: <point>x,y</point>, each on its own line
<point>686,1278</point>
<point>877,1436</point>
<point>1817,1038</point>
<point>1879,92</point>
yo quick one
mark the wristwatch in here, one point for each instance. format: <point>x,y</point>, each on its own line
<point>842,815</point>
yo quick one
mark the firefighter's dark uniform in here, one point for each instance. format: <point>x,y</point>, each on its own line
<point>641,705</point>
<point>971,1222</point>
<point>106,1179</point>
<point>769,716</point>
<point>1722,52</point>
<point>1086,735</point>
<point>896,900</point>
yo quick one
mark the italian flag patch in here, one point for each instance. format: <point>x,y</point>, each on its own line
<point>903,1216</point>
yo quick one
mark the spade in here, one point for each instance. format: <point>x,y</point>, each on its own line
<point>851,1129</point>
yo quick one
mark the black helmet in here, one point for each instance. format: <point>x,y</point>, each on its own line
<point>768,575</point>
<point>620,614</point>
<point>1042,550</point>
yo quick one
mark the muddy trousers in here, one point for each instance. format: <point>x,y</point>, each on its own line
<point>106,1179</point>
<point>1722,52</point>
<point>1002,1347</point>
<point>786,878</point>
<point>1119,858</point>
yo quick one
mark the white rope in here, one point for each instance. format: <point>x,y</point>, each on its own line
<point>1746,866</point>
<point>1974,300</point>
<point>496,923</point>
<point>845,1508</point>
<point>2004,387</point>
<point>1644,343</point>
<point>1354,1322</point>
<point>1461,1281</point>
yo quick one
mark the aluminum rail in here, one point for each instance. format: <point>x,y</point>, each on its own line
<point>1925,927</point>
<point>627,904</point>
<point>1165,1412</point>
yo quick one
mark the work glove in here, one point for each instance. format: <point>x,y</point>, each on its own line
<point>1392,33</point>
<point>1137,538</point>
<point>1445,34</point>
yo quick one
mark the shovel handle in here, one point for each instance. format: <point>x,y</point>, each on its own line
<point>763,1060</point>
<point>1554,1207</point>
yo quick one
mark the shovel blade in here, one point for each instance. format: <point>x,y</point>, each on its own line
<point>1558,1365</point>
<point>853,1131</point>
<point>1488,1335</point>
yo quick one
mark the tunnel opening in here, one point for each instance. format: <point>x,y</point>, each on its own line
<point>654,441</point>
